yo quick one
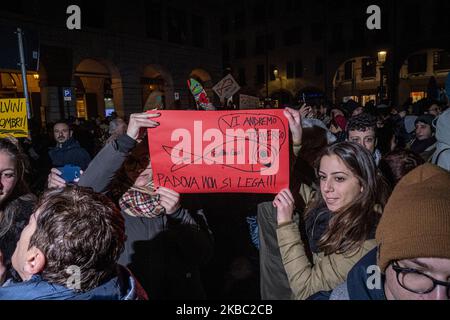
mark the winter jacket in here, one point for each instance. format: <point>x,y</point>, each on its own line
<point>326,272</point>
<point>70,152</point>
<point>441,156</point>
<point>164,253</point>
<point>122,287</point>
<point>425,148</point>
<point>357,285</point>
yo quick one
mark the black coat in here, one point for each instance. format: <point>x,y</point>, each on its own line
<point>70,152</point>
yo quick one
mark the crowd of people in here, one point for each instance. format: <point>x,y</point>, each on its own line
<point>369,199</point>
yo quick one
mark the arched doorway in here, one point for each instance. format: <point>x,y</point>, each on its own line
<point>157,88</point>
<point>11,86</point>
<point>93,81</point>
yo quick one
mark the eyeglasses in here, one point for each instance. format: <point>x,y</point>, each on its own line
<point>417,282</point>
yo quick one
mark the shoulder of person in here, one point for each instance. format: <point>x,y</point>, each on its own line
<point>25,202</point>
<point>362,250</point>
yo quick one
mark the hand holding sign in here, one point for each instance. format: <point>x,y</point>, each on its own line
<point>284,202</point>
<point>169,200</point>
<point>141,120</point>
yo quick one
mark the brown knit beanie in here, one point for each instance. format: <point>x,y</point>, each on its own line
<point>416,220</point>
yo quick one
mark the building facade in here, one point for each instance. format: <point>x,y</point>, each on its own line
<point>128,56</point>
<point>287,50</point>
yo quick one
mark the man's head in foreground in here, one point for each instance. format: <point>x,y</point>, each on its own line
<point>71,227</point>
<point>414,237</point>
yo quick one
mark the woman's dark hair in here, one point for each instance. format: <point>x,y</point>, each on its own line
<point>122,181</point>
<point>384,138</point>
<point>314,141</point>
<point>352,225</point>
<point>9,147</point>
<point>398,163</point>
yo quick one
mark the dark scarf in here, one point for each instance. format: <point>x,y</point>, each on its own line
<point>316,224</point>
<point>421,146</point>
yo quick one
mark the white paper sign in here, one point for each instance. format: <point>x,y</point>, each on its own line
<point>227,87</point>
<point>248,102</point>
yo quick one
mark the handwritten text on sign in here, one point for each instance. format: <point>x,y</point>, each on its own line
<point>220,151</point>
<point>13,118</point>
<point>226,87</point>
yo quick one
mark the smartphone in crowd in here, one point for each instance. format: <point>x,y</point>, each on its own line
<point>70,172</point>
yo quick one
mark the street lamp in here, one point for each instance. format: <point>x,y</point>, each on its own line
<point>275,73</point>
<point>381,60</point>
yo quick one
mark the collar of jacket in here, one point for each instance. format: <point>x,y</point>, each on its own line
<point>122,287</point>
<point>70,143</point>
<point>377,156</point>
<point>365,281</point>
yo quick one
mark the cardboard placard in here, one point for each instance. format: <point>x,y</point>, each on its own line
<point>13,118</point>
<point>220,151</point>
<point>248,102</point>
<point>226,87</point>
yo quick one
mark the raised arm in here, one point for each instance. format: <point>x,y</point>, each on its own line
<point>294,118</point>
<point>108,161</point>
<point>103,168</point>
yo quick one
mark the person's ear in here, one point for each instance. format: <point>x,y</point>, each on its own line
<point>35,262</point>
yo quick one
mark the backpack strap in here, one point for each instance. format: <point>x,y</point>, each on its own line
<point>439,155</point>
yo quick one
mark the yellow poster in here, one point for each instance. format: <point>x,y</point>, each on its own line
<point>13,118</point>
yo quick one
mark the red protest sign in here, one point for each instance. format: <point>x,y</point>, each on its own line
<point>220,151</point>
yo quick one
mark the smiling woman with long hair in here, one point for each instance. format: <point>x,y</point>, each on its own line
<point>16,202</point>
<point>340,221</point>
